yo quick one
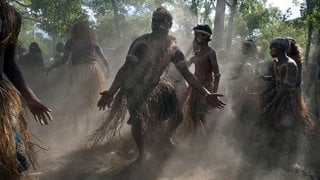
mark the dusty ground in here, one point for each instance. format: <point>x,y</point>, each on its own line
<point>113,161</point>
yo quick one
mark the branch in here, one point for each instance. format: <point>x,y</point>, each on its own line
<point>32,19</point>
<point>20,3</point>
<point>229,4</point>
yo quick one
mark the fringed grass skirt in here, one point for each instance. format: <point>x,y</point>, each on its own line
<point>12,117</point>
<point>275,139</point>
<point>157,105</point>
<point>194,111</point>
<point>86,82</point>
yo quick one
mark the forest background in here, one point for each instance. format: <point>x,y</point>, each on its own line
<point>117,22</point>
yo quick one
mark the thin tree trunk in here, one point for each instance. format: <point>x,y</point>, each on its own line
<point>194,8</point>
<point>219,24</point>
<point>233,10</point>
<point>116,18</point>
<point>207,10</point>
<point>310,31</point>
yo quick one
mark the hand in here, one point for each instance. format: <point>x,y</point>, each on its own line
<point>215,102</point>
<point>265,109</point>
<point>105,100</point>
<point>40,112</point>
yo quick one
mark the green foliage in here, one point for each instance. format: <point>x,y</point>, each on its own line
<point>311,13</point>
<point>253,16</point>
<point>57,16</point>
<point>253,19</point>
<point>284,29</point>
<point>53,17</point>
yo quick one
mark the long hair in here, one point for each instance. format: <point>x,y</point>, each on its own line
<point>293,50</point>
<point>34,48</point>
<point>249,47</point>
<point>10,22</point>
<point>82,31</point>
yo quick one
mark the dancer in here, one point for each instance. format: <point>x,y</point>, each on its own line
<point>285,117</point>
<point>16,148</point>
<point>137,85</point>
<point>206,67</point>
<point>87,79</point>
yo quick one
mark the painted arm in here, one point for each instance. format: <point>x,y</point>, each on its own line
<point>215,70</point>
<point>181,65</point>
<point>103,58</point>
<point>41,112</point>
<point>61,61</point>
<point>127,76</point>
<point>191,61</point>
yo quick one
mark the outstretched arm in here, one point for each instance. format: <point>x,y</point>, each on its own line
<point>181,65</point>
<point>103,58</point>
<point>119,80</point>
<point>60,62</point>
<point>191,60</point>
<point>66,55</point>
<point>41,112</point>
<point>136,52</point>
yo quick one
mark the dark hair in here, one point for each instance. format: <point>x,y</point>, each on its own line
<point>249,46</point>
<point>203,28</point>
<point>34,48</point>
<point>280,42</point>
<point>11,22</point>
<point>163,11</point>
<point>82,30</point>
<point>293,49</point>
<point>59,47</point>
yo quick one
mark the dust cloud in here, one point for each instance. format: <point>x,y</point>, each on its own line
<point>217,155</point>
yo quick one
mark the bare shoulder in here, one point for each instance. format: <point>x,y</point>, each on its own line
<point>142,38</point>
<point>212,54</point>
<point>291,63</point>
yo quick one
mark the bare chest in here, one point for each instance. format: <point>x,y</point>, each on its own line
<point>202,62</point>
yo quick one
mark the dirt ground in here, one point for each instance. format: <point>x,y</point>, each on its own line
<point>215,159</point>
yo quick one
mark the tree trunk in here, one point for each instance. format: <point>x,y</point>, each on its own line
<point>219,24</point>
<point>310,31</point>
<point>233,10</point>
<point>207,10</point>
<point>116,18</point>
<point>194,8</point>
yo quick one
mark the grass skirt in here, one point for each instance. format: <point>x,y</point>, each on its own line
<point>12,116</point>
<point>86,82</point>
<point>274,141</point>
<point>159,105</point>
